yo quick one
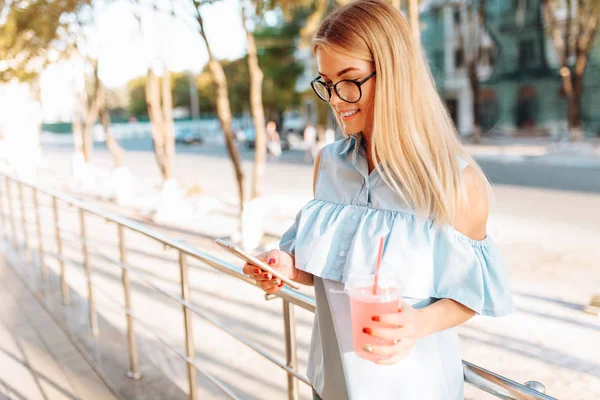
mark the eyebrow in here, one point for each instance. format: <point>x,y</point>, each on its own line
<point>342,72</point>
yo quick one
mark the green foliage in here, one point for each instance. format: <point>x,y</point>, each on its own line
<point>28,31</point>
<point>276,47</point>
<point>137,97</point>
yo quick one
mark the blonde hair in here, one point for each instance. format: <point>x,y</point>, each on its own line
<point>413,136</point>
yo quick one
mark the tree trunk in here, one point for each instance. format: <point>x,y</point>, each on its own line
<point>77,128</point>
<point>474,83</point>
<point>224,115</point>
<point>156,119</point>
<point>573,80</point>
<point>413,17</point>
<point>574,109</point>
<point>473,62</point>
<point>88,143</point>
<point>223,109</point>
<point>115,150</point>
<point>168,134</point>
<point>256,108</point>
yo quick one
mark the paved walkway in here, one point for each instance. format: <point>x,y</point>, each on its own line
<point>37,360</point>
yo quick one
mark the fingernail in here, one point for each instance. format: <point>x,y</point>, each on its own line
<point>376,319</point>
<point>367,348</point>
<point>276,282</point>
<point>267,276</point>
<point>256,271</point>
<point>368,331</point>
<point>281,284</point>
<point>271,261</point>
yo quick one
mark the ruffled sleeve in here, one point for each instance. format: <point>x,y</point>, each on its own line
<point>472,273</point>
<point>288,240</point>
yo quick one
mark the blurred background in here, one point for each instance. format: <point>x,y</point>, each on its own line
<point>196,118</point>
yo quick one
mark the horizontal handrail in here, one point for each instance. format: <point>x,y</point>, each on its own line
<point>140,276</point>
<point>485,380</point>
<point>293,297</point>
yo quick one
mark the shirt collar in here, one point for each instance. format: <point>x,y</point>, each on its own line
<point>353,142</point>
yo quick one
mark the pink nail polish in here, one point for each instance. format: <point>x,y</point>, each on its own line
<point>271,261</point>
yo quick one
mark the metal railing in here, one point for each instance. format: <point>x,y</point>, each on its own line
<point>485,380</point>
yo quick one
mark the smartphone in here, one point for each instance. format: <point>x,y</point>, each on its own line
<point>255,261</point>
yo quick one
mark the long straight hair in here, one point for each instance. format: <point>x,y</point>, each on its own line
<point>414,138</point>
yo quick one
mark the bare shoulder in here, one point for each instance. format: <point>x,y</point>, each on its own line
<point>472,220</point>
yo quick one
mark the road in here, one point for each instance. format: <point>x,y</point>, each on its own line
<point>545,220</point>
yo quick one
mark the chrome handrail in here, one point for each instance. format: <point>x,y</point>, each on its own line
<point>485,380</point>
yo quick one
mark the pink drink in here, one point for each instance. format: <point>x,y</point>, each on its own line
<point>364,305</point>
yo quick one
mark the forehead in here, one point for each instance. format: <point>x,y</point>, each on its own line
<point>331,62</point>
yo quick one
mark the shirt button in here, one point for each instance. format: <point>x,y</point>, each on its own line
<point>342,253</point>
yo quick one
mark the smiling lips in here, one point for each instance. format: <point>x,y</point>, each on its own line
<point>348,114</point>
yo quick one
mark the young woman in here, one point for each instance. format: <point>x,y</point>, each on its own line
<point>402,174</point>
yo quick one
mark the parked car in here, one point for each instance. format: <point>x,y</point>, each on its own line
<point>247,136</point>
<point>188,136</point>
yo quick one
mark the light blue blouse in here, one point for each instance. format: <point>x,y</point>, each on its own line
<point>337,234</point>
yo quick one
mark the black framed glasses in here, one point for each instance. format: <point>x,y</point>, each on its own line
<point>348,90</point>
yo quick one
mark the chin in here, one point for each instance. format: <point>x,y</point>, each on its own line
<point>352,129</point>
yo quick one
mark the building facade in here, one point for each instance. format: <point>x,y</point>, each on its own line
<point>521,89</point>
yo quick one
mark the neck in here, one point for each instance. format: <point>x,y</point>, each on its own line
<point>367,143</point>
<point>366,137</point>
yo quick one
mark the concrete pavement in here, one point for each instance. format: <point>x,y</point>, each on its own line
<point>37,359</point>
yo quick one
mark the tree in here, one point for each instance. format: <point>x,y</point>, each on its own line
<point>473,20</point>
<point>29,32</point>
<point>413,18</point>
<point>276,55</point>
<point>159,103</point>
<point>256,104</point>
<point>87,108</point>
<point>223,106</point>
<point>573,41</point>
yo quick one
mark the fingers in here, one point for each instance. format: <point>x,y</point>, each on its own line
<point>273,258</point>
<point>264,279</point>
<point>270,286</point>
<point>390,334</point>
<point>393,351</point>
<point>256,273</point>
<point>395,319</point>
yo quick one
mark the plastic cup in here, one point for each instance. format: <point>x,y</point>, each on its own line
<point>364,305</point>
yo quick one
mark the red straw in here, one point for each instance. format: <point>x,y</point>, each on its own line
<point>379,256</point>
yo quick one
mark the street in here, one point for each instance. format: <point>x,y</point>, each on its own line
<point>545,220</point>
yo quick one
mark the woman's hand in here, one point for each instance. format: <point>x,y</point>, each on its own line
<point>401,328</point>
<point>278,260</point>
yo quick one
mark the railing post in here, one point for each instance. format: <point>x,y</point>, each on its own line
<point>38,224</point>
<point>134,370</point>
<point>64,288</point>
<point>24,222</point>
<point>291,348</point>
<point>189,328</point>
<point>88,276</point>
<point>11,210</point>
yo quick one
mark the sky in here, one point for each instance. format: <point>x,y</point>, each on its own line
<point>124,53</point>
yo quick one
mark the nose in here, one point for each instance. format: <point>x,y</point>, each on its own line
<point>335,99</point>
